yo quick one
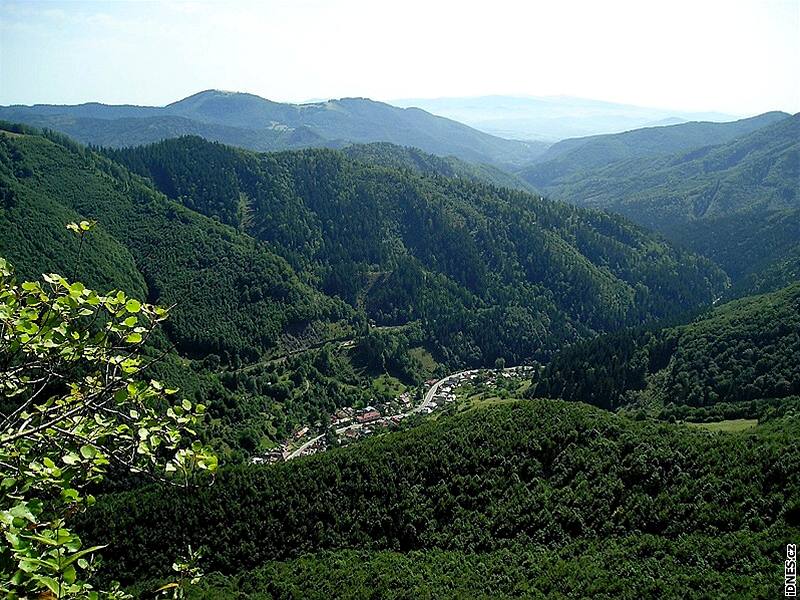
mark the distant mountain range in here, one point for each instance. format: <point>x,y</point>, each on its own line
<point>399,245</point>
<point>726,190</point>
<point>256,123</point>
<point>730,191</point>
<point>568,158</point>
<point>552,118</point>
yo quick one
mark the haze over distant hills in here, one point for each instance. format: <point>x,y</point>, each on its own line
<point>256,123</point>
<point>571,155</point>
<point>552,118</point>
<point>307,282</point>
<point>730,191</point>
<point>299,340</point>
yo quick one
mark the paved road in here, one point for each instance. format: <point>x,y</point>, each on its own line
<point>427,401</point>
<point>297,452</point>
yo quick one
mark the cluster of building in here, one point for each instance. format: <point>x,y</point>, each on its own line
<point>446,391</point>
<point>349,424</point>
<point>293,447</point>
<point>379,413</point>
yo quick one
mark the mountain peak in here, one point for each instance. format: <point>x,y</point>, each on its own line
<point>248,120</point>
<point>211,94</point>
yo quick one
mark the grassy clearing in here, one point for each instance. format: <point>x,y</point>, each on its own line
<point>526,383</point>
<point>386,385</point>
<point>426,358</point>
<point>490,401</point>
<point>730,425</point>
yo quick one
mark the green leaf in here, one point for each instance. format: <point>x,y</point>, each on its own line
<point>31,565</point>
<point>81,554</point>
<point>71,458</point>
<point>69,574</point>
<point>21,511</point>
<point>72,542</point>
<point>51,584</point>
<point>42,540</point>
<point>134,338</point>
<point>133,306</point>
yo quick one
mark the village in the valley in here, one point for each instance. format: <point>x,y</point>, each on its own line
<point>349,424</point>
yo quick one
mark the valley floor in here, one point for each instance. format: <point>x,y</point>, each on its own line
<point>349,425</point>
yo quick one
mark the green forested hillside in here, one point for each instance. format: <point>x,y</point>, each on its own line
<point>400,157</point>
<point>773,276</point>
<point>630,567</point>
<point>759,170</point>
<point>477,272</point>
<point>739,352</point>
<point>538,478</point>
<point>758,248</point>
<point>569,157</point>
<point>233,297</point>
<point>133,131</point>
<point>488,271</point>
<point>736,202</point>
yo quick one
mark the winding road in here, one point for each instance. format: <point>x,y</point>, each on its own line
<point>427,402</point>
<point>297,452</point>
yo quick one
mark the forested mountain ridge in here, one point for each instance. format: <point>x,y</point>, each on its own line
<point>757,170</point>
<point>758,249</point>
<point>233,296</point>
<point>737,203</point>
<point>736,354</point>
<point>477,272</point>
<point>520,476</point>
<point>569,157</point>
<point>234,300</point>
<point>253,122</point>
<point>134,131</point>
<point>403,157</point>
<point>462,257</point>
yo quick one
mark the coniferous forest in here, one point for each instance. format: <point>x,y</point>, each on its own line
<point>343,349</point>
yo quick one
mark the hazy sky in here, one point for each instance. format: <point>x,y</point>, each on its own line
<point>736,56</point>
